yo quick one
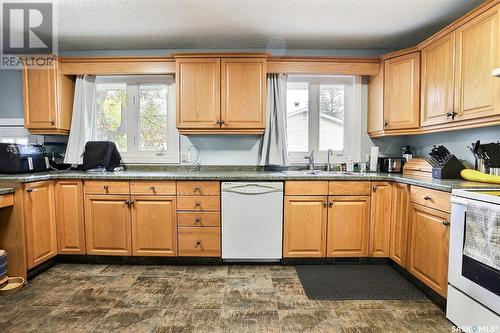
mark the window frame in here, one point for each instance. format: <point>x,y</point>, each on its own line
<point>133,155</point>
<point>352,118</point>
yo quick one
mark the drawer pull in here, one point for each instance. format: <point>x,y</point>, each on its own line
<point>197,189</point>
<point>152,188</point>
<point>29,190</point>
<point>106,187</point>
<point>197,220</point>
<point>330,204</point>
<point>197,204</point>
<point>426,198</point>
<point>325,204</point>
<point>198,243</point>
<point>445,223</point>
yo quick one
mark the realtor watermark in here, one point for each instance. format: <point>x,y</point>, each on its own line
<point>28,35</point>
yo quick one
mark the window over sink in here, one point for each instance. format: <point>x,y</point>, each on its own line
<point>137,113</point>
<point>322,114</point>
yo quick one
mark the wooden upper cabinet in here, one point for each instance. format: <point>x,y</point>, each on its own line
<point>429,238</point>
<point>107,225</point>
<point>376,102</point>
<point>69,216</point>
<point>477,92</point>
<point>221,95</point>
<point>198,93</point>
<point>154,226</point>
<point>348,226</point>
<point>40,222</point>
<point>399,223</point>
<point>48,100</point>
<point>438,81</point>
<point>402,92</point>
<point>305,226</point>
<point>380,223</point>
<point>243,93</point>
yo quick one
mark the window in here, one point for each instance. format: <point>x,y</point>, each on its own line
<point>13,131</point>
<point>322,115</point>
<point>137,113</point>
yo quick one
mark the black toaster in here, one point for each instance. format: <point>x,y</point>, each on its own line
<point>18,158</point>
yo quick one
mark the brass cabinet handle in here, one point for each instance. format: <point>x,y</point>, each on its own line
<point>325,203</point>
<point>445,222</point>
<point>198,243</point>
<point>426,198</point>
<point>451,114</point>
<point>106,187</point>
<point>152,188</point>
<point>374,188</point>
<point>220,122</point>
<point>29,190</point>
<point>197,219</point>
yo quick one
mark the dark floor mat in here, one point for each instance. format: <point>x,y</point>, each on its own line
<point>356,282</point>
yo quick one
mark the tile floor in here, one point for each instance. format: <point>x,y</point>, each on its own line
<point>104,298</point>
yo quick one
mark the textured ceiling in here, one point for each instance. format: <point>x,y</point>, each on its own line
<point>241,24</point>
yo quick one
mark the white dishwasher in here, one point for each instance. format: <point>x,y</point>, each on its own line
<point>252,221</point>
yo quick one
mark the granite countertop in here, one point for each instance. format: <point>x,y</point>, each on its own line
<point>6,190</point>
<point>230,175</point>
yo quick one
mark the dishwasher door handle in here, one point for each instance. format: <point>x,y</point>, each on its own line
<point>234,189</point>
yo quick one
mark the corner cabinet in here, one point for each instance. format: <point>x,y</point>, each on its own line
<point>221,95</point>
<point>40,222</point>
<point>48,100</point>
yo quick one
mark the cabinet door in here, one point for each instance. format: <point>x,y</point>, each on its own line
<point>380,224</point>
<point>376,102</point>
<point>477,54</point>
<point>402,92</point>
<point>40,223</point>
<point>399,223</point>
<point>348,224</point>
<point>243,93</point>
<point>438,81</point>
<point>154,226</point>
<point>69,216</point>
<point>198,93</point>
<point>305,226</point>
<point>429,239</point>
<point>39,90</point>
<point>107,225</point>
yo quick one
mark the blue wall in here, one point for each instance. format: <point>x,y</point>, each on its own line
<point>11,94</point>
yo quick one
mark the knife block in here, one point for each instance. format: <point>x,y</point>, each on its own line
<point>450,169</point>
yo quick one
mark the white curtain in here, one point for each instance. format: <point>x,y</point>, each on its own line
<point>83,119</point>
<point>274,144</point>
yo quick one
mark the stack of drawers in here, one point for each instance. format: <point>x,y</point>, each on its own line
<point>198,218</point>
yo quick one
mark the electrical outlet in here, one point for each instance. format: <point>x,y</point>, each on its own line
<point>186,157</point>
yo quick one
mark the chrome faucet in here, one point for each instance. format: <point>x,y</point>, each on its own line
<point>328,164</point>
<point>310,159</point>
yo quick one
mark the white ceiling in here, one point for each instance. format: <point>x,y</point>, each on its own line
<point>244,24</point>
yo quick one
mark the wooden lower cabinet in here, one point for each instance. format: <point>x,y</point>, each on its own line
<point>429,238</point>
<point>399,223</point>
<point>154,226</point>
<point>348,225</point>
<point>40,222</point>
<point>380,222</point>
<point>108,225</point>
<point>69,216</point>
<point>199,242</point>
<point>305,226</point>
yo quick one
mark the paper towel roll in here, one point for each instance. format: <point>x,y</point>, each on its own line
<point>373,159</point>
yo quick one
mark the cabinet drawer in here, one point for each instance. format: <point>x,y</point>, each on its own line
<point>152,188</point>
<point>306,188</point>
<point>201,219</point>
<point>198,203</point>
<point>198,188</point>
<point>199,242</point>
<point>107,187</point>
<point>431,198</point>
<point>349,188</point>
